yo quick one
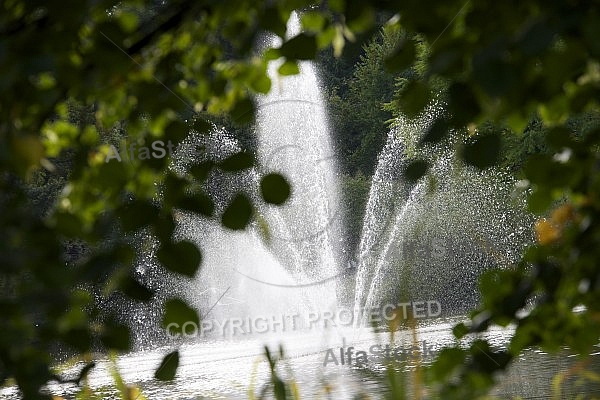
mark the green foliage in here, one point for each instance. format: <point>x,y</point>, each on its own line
<point>415,170</point>
<point>123,391</point>
<point>402,56</point>
<point>74,78</point>
<point>281,389</point>
<point>492,73</point>
<point>484,151</point>
<point>177,312</point>
<point>168,367</point>
<point>274,189</point>
<point>181,257</point>
<point>238,213</point>
<point>358,119</point>
<point>288,68</point>
<point>435,133</point>
<point>237,162</point>
<point>94,74</point>
<point>355,192</point>
<point>301,47</point>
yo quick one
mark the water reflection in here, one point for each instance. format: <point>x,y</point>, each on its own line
<point>229,369</point>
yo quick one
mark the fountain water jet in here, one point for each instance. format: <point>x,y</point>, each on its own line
<point>294,139</point>
<point>270,273</point>
<point>437,236</point>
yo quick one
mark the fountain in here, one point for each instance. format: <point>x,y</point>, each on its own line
<point>432,239</point>
<point>294,139</point>
<point>423,241</point>
<point>270,273</point>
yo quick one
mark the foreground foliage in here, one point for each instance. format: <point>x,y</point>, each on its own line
<point>158,69</point>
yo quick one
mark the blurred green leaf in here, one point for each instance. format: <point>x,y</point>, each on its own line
<point>261,84</point>
<point>415,170</point>
<point>176,131</point>
<point>68,224</point>
<point>116,336</point>
<point>539,200</point>
<point>135,290</point>
<point>536,38</point>
<point>447,362</point>
<point>360,16</point>
<point>202,170</point>
<point>272,20</point>
<point>543,170</point>
<point>137,214</point>
<point>484,151</point>
<point>164,226</point>
<point>201,125</point>
<point>199,203</point>
<point>238,214</point>
<point>274,189</point>
<point>168,367</point>
<point>402,56</point>
<point>301,47</point>
<point>111,176</point>
<point>271,54</point>
<point>493,73</point>
<point>174,189</point>
<point>243,112</point>
<point>79,338</point>
<point>436,132</point>
<point>177,312</point>
<point>559,137</point>
<point>181,257</point>
<point>460,330</point>
<point>313,21</point>
<point>463,107</point>
<point>237,162</point>
<point>289,67</point>
<point>129,21</point>
<point>415,97</point>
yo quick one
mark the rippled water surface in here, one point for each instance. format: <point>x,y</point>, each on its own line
<point>230,369</point>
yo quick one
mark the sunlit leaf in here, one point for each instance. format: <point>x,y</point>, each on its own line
<point>313,21</point>
<point>288,68</point>
<point>261,84</point>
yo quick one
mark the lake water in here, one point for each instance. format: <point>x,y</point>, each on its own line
<point>229,369</point>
